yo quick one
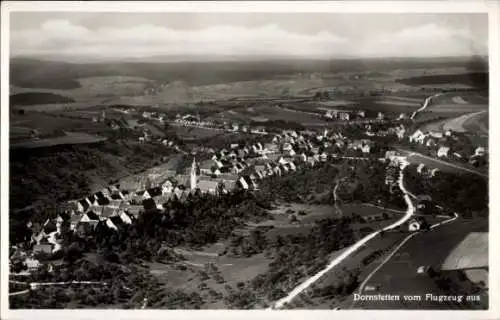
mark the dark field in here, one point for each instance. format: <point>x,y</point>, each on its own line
<point>35,98</point>
<point>49,125</point>
<point>69,139</point>
<point>399,275</point>
<point>479,79</point>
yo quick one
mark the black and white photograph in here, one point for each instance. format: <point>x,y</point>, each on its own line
<point>247,160</point>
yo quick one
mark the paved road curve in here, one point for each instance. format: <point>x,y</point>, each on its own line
<point>369,277</point>
<point>303,286</point>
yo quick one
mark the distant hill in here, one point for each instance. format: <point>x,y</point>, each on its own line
<point>34,98</point>
<point>33,73</point>
<point>478,79</point>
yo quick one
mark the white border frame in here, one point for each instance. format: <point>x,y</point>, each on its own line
<point>438,6</point>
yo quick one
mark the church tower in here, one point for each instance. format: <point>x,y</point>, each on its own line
<point>193,175</point>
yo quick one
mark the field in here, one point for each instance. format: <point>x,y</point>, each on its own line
<point>195,133</point>
<point>462,102</point>
<point>157,83</point>
<point>399,275</point>
<point>234,270</point>
<point>30,98</point>
<point>472,252</point>
<point>475,122</point>
<point>69,138</point>
<point>479,79</point>
<point>49,125</point>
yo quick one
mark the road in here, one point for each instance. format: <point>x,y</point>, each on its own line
<point>36,285</point>
<point>413,154</point>
<point>303,286</point>
<point>397,274</point>
<point>425,105</point>
<point>391,255</point>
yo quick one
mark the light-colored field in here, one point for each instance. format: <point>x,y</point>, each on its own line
<point>398,103</point>
<point>335,103</point>
<point>471,253</point>
<point>454,108</point>
<point>407,99</point>
<point>478,123</point>
<point>459,124</point>
<point>459,100</point>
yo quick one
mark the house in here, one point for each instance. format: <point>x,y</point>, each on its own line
<point>43,247</point>
<point>206,167</point>
<point>480,151</point>
<point>161,200</point>
<point>443,152</point>
<point>108,212</point>
<point>420,168</point>
<point>114,222</point>
<point>87,223</point>
<point>242,183</point>
<point>117,196</point>
<point>126,218</point>
<point>82,205</point>
<point>433,172</point>
<point>31,264</point>
<point>390,154</point>
<point>344,116</point>
<point>380,116</point>
<point>149,204</point>
<point>134,211</point>
<point>323,156</point>
<point>208,186</point>
<point>365,148</point>
<point>167,187</point>
<point>152,192</point>
<point>101,199</point>
<point>403,116</point>
<point>418,137</point>
<point>414,225</point>
<point>430,142</point>
<point>436,134</point>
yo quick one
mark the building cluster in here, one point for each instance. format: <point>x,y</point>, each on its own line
<point>397,130</point>
<point>440,144</point>
<point>236,167</point>
<point>154,116</point>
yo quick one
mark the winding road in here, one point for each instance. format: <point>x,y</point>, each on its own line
<point>303,286</point>
<point>425,105</point>
<point>402,243</point>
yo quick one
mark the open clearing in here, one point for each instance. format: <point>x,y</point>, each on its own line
<point>477,123</point>
<point>49,124</point>
<point>69,138</point>
<point>242,269</point>
<point>458,124</point>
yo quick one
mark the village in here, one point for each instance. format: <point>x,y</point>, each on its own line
<point>237,167</point>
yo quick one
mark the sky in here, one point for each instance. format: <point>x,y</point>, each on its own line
<point>202,36</point>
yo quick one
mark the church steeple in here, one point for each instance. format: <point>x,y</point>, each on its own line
<point>193,175</point>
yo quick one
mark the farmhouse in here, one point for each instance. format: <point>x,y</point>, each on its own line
<point>480,151</point>
<point>443,152</point>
